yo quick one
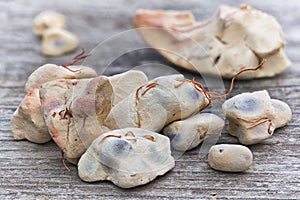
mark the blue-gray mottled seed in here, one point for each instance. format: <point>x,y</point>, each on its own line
<point>253,117</point>
<point>128,157</point>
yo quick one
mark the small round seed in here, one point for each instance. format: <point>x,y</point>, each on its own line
<point>58,41</point>
<point>230,158</point>
<point>47,20</point>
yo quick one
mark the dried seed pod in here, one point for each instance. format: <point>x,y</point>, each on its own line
<point>232,39</point>
<point>57,42</point>
<point>189,133</point>
<point>230,158</point>
<point>28,122</point>
<point>125,83</point>
<point>160,102</point>
<point>47,20</point>
<point>50,72</point>
<point>127,157</point>
<point>74,111</point>
<point>252,116</point>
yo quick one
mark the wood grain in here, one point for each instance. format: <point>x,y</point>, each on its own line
<point>31,171</point>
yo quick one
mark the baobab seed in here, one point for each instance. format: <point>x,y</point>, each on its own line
<point>47,20</point>
<point>230,158</point>
<point>57,42</point>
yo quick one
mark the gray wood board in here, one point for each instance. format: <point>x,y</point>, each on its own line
<point>32,171</point>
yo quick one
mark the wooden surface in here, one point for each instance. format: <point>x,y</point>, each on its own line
<point>31,171</point>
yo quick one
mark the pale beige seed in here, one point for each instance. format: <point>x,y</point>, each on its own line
<point>74,111</point>
<point>28,122</point>
<point>125,83</point>
<point>127,157</point>
<point>47,20</point>
<point>189,133</point>
<point>157,104</point>
<point>230,158</point>
<point>57,42</point>
<point>51,72</point>
<point>283,112</point>
<point>253,117</point>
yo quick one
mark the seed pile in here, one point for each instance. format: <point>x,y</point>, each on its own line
<point>252,117</point>
<point>56,40</point>
<point>88,115</point>
<point>123,128</point>
<point>111,131</point>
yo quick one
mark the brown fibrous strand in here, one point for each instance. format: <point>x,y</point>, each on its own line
<point>108,136</point>
<point>66,112</point>
<point>76,59</point>
<point>148,87</point>
<point>63,161</point>
<point>129,133</point>
<point>215,95</point>
<point>198,86</point>
<point>258,122</point>
<point>149,137</point>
